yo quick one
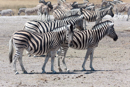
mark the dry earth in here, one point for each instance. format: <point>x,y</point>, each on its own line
<point>111,61</point>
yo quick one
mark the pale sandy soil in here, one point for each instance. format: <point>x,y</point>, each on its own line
<point>111,61</point>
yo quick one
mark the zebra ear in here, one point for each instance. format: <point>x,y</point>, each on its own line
<point>111,24</point>
<point>68,26</point>
<point>71,28</point>
<point>81,17</point>
<point>112,3</point>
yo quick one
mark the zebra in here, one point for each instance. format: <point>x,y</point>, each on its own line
<point>46,3</point>
<point>29,11</point>
<point>38,44</point>
<point>60,14</point>
<point>91,8</point>
<point>21,10</point>
<point>42,27</point>
<point>7,12</point>
<point>119,8</point>
<point>81,5</point>
<point>44,9</point>
<point>88,39</point>
<point>61,1</point>
<point>97,16</point>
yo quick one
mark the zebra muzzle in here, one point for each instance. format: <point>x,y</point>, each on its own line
<point>70,44</point>
<point>116,37</point>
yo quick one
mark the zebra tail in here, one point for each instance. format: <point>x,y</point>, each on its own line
<point>11,49</point>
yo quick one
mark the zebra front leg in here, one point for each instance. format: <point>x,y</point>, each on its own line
<point>127,18</point>
<point>91,60</point>
<point>46,60</point>
<point>59,57</point>
<point>59,68</point>
<point>86,57</point>
<point>53,53</point>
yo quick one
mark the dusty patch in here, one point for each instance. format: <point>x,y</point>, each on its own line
<point>111,61</point>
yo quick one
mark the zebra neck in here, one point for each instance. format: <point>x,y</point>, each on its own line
<point>62,36</point>
<point>103,13</point>
<point>99,33</point>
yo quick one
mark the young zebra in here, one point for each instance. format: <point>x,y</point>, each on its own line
<point>38,44</point>
<point>97,16</point>
<point>42,27</point>
<point>89,40</point>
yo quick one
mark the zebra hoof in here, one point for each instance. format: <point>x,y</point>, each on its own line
<point>84,70</point>
<point>43,72</point>
<point>16,73</point>
<point>54,72</point>
<point>25,72</point>
<point>60,70</point>
<point>68,70</point>
<point>92,69</point>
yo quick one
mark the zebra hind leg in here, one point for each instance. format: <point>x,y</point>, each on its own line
<point>59,68</point>
<point>21,63</point>
<point>46,60</point>
<point>18,55</point>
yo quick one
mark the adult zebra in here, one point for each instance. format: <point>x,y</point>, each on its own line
<point>97,15</point>
<point>60,14</point>
<point>42,27</point>
<point>38,44</point>
<point>89,40</point>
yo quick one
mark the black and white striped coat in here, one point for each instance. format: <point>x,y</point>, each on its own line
<point>60,14</point>
<point>42,27</point>
<point>38,44</point>
<point>89,39</point>
<point>97,16</point>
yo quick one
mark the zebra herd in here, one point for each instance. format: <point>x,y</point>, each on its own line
<point>56,36</point>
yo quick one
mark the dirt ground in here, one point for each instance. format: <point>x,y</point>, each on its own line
<point>111,61</point>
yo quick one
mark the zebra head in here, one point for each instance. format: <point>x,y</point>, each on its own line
<point>50,5</point>
<point>79,23</point>
<point>111,32</point>
<point>69,34</point>
<point>110,12</point>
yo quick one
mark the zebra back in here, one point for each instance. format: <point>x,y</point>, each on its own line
<point>90,38</point>
<point>42,27</point>
<point>60,14</point>
<point>91,16</point>
<point>38,44</point>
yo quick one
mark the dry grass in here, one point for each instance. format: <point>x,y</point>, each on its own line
<point>16,4</point>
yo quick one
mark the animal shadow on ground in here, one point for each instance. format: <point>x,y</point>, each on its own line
<point>75,72</point>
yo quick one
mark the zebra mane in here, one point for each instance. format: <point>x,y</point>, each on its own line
<point>96,26</point>
<point>61,28</point>
<point>105,7</point>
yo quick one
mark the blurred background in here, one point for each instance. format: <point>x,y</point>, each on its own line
<point>16,4</point>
